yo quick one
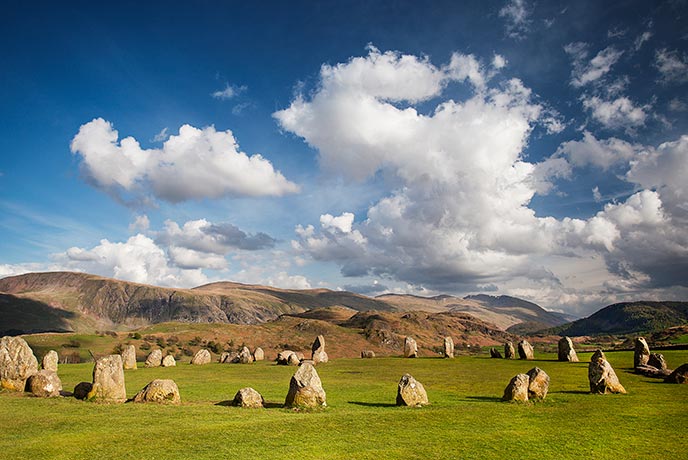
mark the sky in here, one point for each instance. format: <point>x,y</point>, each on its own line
<point>534,149</point>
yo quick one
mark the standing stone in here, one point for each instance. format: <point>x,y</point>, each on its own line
<point>169,361</point>
<point>82,389</point>
<point>538,383</point>
<point>305,389</point>
<point>509,352</point>
<point>410,348</point>
<point>494,353</point>
<point>657,360</point>
<point>566,351</point>
<point>602,378</point>
<point>599,354</point>
<point>410,392</point>
<point>249,398</point>
<point>517,389</point>
<point>201,357</point>
<point>17,363</point>
<point>318,354</point>
<point>154,359</point>
<point>223,357</point>
<point>258,354</point>
<point>162,391</point>
<point>108,380</point>
<point>244,357</point>
<point>129,357</point>
<point>50,361</point>
<point>680,375</point>
<point>448,347</point>
<point>283,357</point>
<point>367,354</point>
<point>45,384</point>
<point>642,352</point>
<point>525,350</point>
<point>293,359</point>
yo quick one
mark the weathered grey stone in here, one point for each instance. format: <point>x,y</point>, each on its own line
<point>653,372</point>
<point>161,391</point>
<point>494,353</point>
<point>448,347</point>
<point>680,375</point>
<point>244,357</point>
<point>82,389</point>
<point>318,354</point>
<point>129,357</point>
<point>154,358</point>
<point>410,348</point>
<point>538,383</point>
<point>201,357</point>
<point>525,350</point>
<point>657,360</point>
<point>17,363</point>
<point>249,398</point>
<point>169,361</point>
<point>318,344</point>
<point>45,384</point>
<point>50,361</point>
<point>305,389</point>
<point>599,354</point>
<point>367,354</point>
<point>223,357</point>
<point>410,392</point>
<point>509,352</point>
<point>108,380</point>
<point>602,377</point>
<point>294,360</point>
<point>258,354</point>
<point>641,354</point>
<point>517,389</point>
<point>566,351</point>
<point>283,357</point>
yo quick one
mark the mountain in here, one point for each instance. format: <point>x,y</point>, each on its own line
<point>628,318</point>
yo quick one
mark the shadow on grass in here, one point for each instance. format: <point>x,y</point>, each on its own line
<point>266,405</point>
<point>485,398</point>
<point>572,392</point>
<point>369,404</point>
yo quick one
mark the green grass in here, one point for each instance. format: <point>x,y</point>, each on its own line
<point>680,339</point>
<point>465,418</point>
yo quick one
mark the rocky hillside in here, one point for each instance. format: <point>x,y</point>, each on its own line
<point>627,318</point>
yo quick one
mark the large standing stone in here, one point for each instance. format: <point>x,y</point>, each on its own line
<point>367,354</point>
<point>642,352</point>
<point>108,380</point>
<point>318,354</point>
<point>602,377</point>
<point>154,359</point>
<point>525,350</point>
<point>17,363</point>
<point>680,375</point>
<point>258,354</point>
<point>410,348</point>
<point>249,398</point>
<point>50,361</point>
<point>244,356</point>
<point>169,361</point>
<point>494,353</point>
<point>517,389</point>
<point>599,354</point>
<point>45,384</point>
<point>129,357</point>
<point>538,384</point>
<point>305,388</point>
<point>566,351</point>
<point>448,347</point>
<point>410,392</point>
<point>657,360</point>
<point>509,352</point>
<point>162,391</point>
<point>201,357</point>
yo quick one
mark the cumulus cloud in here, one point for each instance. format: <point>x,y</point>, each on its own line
<point>586,72</point>
<point>617,113</point>
<point>218,238</point>
<point>672,66</point>
<point>517,18</point>
<point>194,164</point>
<point>601,153</point>
<point>140,224</point>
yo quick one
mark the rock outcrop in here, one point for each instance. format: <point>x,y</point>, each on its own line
<point>367,354</point>
<point>566,350</point>
<point>17,363</point>
<point>641,354</point>
<point>318,354</point>
<point>538,383</point>
<point>305,389</point>
<point>602,378</point>
<point>258,354</point>
<point>248,398</point>
<point>161,391</point>
<point>201,357</point>
<point>411,392</point>
<point>517,389</point>
<point>50,361</point>
<point>448,347</point>
<point>154,358</point>
<point>410,348</point>
<point>108,380</point>
<point>129,358</point>
<point>509,352</point>
<point>45,384</point>
<point>169,361</point>
<point>525,350</point>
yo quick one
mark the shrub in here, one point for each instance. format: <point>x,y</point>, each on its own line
<point>70,358</point>
<point>187,351</point>
<point>135,336</point>
<point>117,350</point>
<point>145,346</point>
<point>72,344</point>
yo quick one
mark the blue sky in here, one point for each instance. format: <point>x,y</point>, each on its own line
<point>536,149</point>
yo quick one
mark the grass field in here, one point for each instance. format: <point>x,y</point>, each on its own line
<point>465,419</point>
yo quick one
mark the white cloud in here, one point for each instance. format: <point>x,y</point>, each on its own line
<point>228,92</point>
<point>195,164</point>
<point>342,223</point>
<point>584,72</point>
<point>216,238</point>
<point>601,153</point>
<point>141,224</point>
<point>642,38</point>
<point>162,135</point>
<point>517,18</point>
<point>597,196</point>
<point>617,113</point>
<point>499,61</point>
<point>672,66</point>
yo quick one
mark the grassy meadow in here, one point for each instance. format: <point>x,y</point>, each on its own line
<point>466,418</point>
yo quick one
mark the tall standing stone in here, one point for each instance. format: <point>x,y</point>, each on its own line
<point>129,357</point>
<point>410,348</point>
<point>642,352</point>
<point>45,384</point>
<point>517,389</point>
<point>509,352</point>
<point>318,354</point>
<point>305,388</point>
<point>602,378</point>
<point>525,350</point>
<point>201,357</point>
<point>258,354</point>
<point>538,383</point>
<point>50,361</point>
<point>566,351</point>
<point>410,392</point>
<point>154,359</point>
<point>108,380</point>
<point>17,363</point>
<point>448,347</point>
